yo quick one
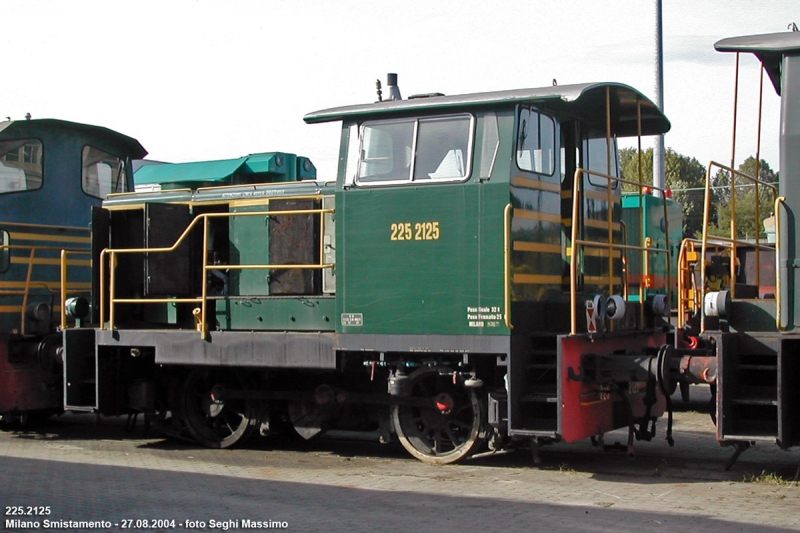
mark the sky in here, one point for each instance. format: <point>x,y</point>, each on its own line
<point>200,80</point>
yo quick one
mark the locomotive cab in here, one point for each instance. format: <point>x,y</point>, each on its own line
<point>744,309</point>
<point>51,173</point>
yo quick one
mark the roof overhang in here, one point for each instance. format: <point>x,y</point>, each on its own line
<point>583,101</point>
<point>133,148</point>
<point>769,48</point>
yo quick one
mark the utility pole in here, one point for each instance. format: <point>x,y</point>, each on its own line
<point>659,164</point>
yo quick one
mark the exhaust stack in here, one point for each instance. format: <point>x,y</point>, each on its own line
<point>392,88</point>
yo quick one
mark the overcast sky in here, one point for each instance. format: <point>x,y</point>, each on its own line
<point>217,79</point>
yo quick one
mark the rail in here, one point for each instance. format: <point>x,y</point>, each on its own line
<point>64,282</point>
<point>202,325</point>
<point>732,241</point>
<point>28,284</point>
<point>610,245</point>
<point>507,266</point>
<point>778,301</point>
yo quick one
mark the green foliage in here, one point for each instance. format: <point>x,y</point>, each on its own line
<point>748,221</point>
<point>685,176</point>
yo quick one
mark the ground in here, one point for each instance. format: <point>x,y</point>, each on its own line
<point>84,471</point>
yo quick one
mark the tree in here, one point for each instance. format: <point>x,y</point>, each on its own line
<point>685,176</point>
<point>748,225</point>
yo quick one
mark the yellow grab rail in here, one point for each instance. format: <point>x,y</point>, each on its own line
<point>732,240</point>
<point>778,201</point>
<point>29,282</point>
<point>65,282</point>
<point>112,254</point>
<point>507,266</point>
<point>610,246</point>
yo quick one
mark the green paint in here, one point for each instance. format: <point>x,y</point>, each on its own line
<point>249,245</point>
<point>311,313</point>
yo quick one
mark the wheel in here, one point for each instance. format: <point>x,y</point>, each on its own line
<point>447,431</point>
<point>212,419</point>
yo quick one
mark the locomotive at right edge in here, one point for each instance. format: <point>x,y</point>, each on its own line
<point>472,279</point>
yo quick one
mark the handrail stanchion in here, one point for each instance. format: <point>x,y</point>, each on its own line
<point>507,266</point>
<point>778,301</point>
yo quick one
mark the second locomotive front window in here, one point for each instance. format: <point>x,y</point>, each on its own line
<point>103,173</point>
<point>404,150</point>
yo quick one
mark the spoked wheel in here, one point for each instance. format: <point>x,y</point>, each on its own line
<point>446,431</point>
<point>213,419</point>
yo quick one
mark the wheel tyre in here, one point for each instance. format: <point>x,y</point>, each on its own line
<point>216,425</point>
<point>433,436</point>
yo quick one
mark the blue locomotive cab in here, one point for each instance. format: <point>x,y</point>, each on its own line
<point>52,172</point>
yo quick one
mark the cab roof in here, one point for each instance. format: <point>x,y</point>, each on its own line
<point>769,48</point>
<point>583,101</point>
<point>23,127</point>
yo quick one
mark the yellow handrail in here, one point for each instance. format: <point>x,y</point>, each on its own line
<point>507,266</point>
<point>611,246</point>
<point>112,253</point>
<point>732,240</point>
<point>65,282</point>
<point>29,281</point>
<point>778,201</point>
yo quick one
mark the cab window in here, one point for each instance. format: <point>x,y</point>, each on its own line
<point>595,158</point>
<point>536,142</point>
<point>20,165</point>
<point>103,173</point>
<point>419,150</point>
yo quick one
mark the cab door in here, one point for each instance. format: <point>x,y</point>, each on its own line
<point>408,228</point>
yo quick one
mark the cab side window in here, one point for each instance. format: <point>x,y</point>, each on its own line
<point>416,150</point>
<point>536,142</point>
<point>596,158</point>
<point>386,151</point>
<point>103,173</point>
<point>20,165</point>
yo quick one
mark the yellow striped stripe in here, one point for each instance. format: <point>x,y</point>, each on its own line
<point>529,183</point>
<point>537,279</point>
<point>596,252</point>
<point>49,238</point>
<point>536,215</point>
<point>601,280</point>
<point>244,203</point>
<point>591,223</point>
<point>594,195</point>
<point>18,308</point>
<point>600,224</point>
<point>44,226</point>
<point>124,207</point>
<point>521,246</point>
<point>49,284</point>
<point>50,261</point>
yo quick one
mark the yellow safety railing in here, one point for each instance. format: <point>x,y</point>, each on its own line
<point>778,322</point>
<point>29,283</point>
<point>731,241</point>
<point>610,245</point>
<point>507,266</point>
<point>202,326</point>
